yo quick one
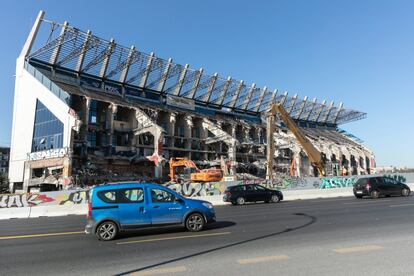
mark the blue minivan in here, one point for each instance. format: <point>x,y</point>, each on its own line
<point>127,206</point>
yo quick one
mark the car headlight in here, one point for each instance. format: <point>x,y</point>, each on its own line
<point>208,205</point>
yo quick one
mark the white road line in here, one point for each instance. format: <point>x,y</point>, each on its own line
<point>367,202</point>
<point>159,271</point>
<point>263,259</point>
<point>402,205</point>
<point>364,248</point>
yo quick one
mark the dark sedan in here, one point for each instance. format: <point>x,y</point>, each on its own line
<point>241,194</point>
<point>380,186</point>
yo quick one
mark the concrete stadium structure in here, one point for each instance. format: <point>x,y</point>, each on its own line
<point>90,110</point>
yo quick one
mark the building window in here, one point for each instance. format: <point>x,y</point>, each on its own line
<point>92,139</point>
<point>92,112</point>
<point>47,131</point>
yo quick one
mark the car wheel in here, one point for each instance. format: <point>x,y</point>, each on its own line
<point>275,198</point>
<point>405,192</point>
<point>194,222</point>
<point>107,231</point>
<point>241,200</point>
<point>375,194</point>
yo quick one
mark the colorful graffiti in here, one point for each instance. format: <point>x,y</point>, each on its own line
<point>23,200</point>
<point>198,189</point>
<point>397,177</point>
<point>337,182</point>
<point>44,199</point>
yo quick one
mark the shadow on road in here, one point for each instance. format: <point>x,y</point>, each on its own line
<point>173,229</point>
<point>311,221</point>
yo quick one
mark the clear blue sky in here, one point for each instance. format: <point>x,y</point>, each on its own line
<point>358,52</point>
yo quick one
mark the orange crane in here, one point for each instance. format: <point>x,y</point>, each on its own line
<point>313,154</point>
<point>184,168</point>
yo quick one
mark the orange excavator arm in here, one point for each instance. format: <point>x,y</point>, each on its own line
<point>313,154</point>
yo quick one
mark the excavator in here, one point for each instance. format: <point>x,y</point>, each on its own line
<point>182,168</point>
<point>313,154</point>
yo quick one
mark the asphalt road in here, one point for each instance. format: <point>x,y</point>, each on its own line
<point>343,236</point>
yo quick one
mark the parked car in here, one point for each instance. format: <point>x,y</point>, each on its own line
<point>127,206</point>
<point>380,186</point>
<point>241,194</point>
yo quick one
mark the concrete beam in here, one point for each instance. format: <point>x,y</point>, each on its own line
<point>56,50</point>
<point>320,110</point>
<point>236,94</point>
<point>180,82</point>
<point>329,112</point>
<point>210,88</point>
<point>260,100</point>
<point>195,84</point>
<point>105,61</point>
<point>248,96</point>
<point>224,91</point>
<point>124,72</point>
<point>311,110</point>
<point>272,99</point>
<point>147,71</point>
<point>164,77</point>
<point>339,111</point>
<point>32,35</point>
<point>81,58</point>
<point>295,97</point>
<point>302,107</point>
<point>284,99</point>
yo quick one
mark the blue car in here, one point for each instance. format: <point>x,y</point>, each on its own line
<point>128,206</point>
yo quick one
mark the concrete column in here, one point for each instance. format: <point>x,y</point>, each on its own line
<point>171,128</point>
<point>259,132</point>
<point>27,175</point>
<point>187,134</point>
<point>158,137</point>
<point>246,130</point>
<point>85,119</point>
<point>112,109</point>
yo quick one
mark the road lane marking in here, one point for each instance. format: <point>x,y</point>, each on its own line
<point>365,202</point>
<point>330,200</point>
<point>263,259</point>
<point>365,248</point>
<point>159,271</point>
<point>402,205</point>
<point>41,235</point>
<point>176,238</point>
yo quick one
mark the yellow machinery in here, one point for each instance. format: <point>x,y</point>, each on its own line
<point>182,168</point>
<point>313,154</point>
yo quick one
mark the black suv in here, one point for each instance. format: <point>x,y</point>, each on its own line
<point>378,186</point>
<point>241,194</point>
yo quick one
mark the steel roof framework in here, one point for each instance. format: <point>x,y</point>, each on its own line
<point>84,53</point>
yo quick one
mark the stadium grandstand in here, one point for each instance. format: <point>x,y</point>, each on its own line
<point>89,110</point>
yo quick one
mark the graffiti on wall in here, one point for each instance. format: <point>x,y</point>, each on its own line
<point>337,182</point>
<point>397,177</point>
<point>44,199</point>
<point>23,200</point>
<point>198,189</point>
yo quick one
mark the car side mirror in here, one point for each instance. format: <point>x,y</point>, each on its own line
<point>179,200</point>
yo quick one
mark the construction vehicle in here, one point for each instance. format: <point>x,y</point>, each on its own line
<point>184,169</point>
<point>314,155</point>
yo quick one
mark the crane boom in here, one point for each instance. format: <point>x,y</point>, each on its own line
<point>313,154</point>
